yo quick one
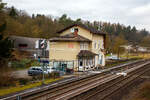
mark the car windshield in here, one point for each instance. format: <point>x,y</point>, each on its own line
<point>36,69</point>
<point>33,68</point>
<point>39,69</point>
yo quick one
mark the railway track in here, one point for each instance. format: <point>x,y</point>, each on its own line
<point>104,92</point>
<point>77,88</point>
<point>55,93</point>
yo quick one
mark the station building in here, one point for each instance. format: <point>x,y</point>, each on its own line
<point>78,47</point>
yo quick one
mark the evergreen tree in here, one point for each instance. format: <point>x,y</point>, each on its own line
<point>5,44</point>
<point>13,13</point>
<point>2,5</point>
<point>65,21</point>
<point>33,16</point>
<point>78,21</point>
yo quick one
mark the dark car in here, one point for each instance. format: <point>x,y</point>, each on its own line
<point>69,71</point>
<point>34,71</point>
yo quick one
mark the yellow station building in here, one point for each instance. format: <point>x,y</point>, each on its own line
<point>79,47</point>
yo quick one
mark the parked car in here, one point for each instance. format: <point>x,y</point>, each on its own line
<point>33,71</point>
<point>50,70</point>
<point>69,71</point>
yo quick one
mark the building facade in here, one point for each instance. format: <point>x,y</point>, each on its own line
<point>30,45</point>
<point>79,47</point>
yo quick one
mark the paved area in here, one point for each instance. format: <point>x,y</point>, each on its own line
<point>21,74</point>
<point>24,74</point>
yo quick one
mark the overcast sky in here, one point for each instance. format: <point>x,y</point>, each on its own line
<point>128,12</point>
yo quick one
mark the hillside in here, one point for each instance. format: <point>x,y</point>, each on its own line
<point>21,24</point>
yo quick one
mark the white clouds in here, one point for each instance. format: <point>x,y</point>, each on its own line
<point>129,12</point>
<point>139,16</point>
<point>145,9</point>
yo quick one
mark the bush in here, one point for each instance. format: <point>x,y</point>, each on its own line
<point>21,64</point>
<point>17,64</point>
<point>6,81</point>
<point>25,61</point>
<point>111,63</point>
<point>35,63</point>
<point>145,91</point>
<point>5,77</point>
<point>55,75</point>
<point>23,81</point>
<point>46,76</point>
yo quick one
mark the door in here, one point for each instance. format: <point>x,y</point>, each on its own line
<point>80,65</point>
<point>100,59</point>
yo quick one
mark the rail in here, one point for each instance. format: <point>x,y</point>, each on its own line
<point>52,88</point>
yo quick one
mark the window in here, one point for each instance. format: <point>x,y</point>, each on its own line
<point>36,44</point>
<point>91,62</point>
<point>87,62</point>
<point>22,45</point>
<point>99,46</point>
<point>73,30</point>
<point>81,46</point>
<point>102,44</point>
<point>70,65</point>
<point>95,45</point>
<point>84,46</point>
<point>76,29</point>
<point>70,45</point>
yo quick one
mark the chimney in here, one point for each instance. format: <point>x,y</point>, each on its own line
<point>76,32</point>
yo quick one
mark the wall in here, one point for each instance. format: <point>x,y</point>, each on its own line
<point>81,31</point>
<point>85,33</point>
<point>99,40</point>
<point>64,51</point>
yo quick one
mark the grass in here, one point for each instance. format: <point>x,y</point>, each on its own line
<point>117,62</point>
<point>10,90</point>
<point>131,57</point>
<point>137,55</point>
<point>143,92</point>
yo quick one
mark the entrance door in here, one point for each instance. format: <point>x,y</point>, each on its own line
<point>100,59</point>
<point>80,65</point>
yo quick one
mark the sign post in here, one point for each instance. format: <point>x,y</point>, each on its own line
<point>43,47</point>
